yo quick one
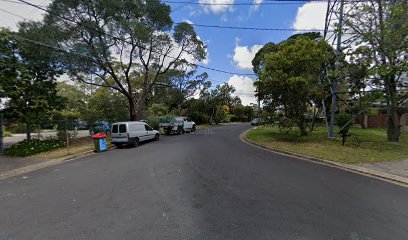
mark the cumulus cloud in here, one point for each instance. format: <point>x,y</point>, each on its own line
<point>9,20</point>
<point>311,16</point>
<point>243,56</point>
<point>244,88</point>
<point>257,4</point>
<point>216,8</point>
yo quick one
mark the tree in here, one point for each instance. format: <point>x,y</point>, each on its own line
<point>381,30</point>
<point>176,86</point>
<point>290,76</point>
<point>28,75</point>
<point>123,45</point>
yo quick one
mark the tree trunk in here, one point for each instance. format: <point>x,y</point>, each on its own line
<point>28,131</point>
<point>393,130</point>
<point>132,110</point>
<point>302,129</point>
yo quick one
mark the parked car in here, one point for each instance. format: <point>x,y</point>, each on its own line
<point>178,125</point>
<point>255,122</point>
<point>132,133</point>
<point>100,127</point>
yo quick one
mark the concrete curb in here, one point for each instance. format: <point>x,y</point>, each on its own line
<point>45,164</point>
<point>401,181</point>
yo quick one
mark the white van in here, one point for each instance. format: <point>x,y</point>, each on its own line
<point>132,133</point>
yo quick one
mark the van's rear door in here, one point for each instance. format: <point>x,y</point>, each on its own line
<point>119,133</point>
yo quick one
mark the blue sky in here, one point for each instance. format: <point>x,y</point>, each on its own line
<point>222,42</point>
<point>229,50</point>
<point>232,50</point>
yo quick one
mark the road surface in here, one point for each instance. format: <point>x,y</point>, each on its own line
<point>207,185</point>
<point>8,141</point>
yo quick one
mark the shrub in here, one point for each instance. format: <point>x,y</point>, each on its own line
<point>34,146</point>
<point>342,119</point>
<point>153,121</point>
<point>158,109</point>
<point>197,117</point>
<point>7,134</point>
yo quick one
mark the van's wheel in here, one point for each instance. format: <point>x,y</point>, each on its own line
<point>135,142</point>
<point>193,129</point>
<point>168,132</point>
<point>179,131</point>
<point>157,137</point>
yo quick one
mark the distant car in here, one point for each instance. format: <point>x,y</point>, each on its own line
<point>178,125</point>
<point>99,127</point>
<point>132,133</point>
<point>255,122</point>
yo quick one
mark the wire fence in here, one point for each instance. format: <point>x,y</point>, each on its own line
<point>65,130</point>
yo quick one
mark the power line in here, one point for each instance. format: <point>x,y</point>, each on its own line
<point>230,4</point>
<point>266,2</point>
<point>256,28</point>
<point>16,15</point>
<point>141,47</point>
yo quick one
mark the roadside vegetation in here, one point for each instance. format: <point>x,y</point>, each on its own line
<point>7,134</point>
<point>34,146</point>
<point>363,146</point>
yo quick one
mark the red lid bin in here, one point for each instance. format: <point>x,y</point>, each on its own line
<point>99,135</point>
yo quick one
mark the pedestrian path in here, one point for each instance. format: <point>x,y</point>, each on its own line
<point>399,168</point>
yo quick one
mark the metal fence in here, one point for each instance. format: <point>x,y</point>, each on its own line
<point>66,130</point>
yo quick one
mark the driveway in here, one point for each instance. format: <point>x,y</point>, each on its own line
<point>8,141</point>
<point>207,185</point>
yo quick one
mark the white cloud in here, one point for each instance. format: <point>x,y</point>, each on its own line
<point>216,8</point>
<point>257,4</point>
<point>311,16</point>
<point>30,13</point>
<point>188,21</point>
<point>243,55</point>
<point>244,88</point>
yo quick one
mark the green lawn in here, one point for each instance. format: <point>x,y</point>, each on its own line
<point>364,146</point>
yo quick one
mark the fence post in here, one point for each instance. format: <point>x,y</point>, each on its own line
<point>1,131</point>
<point>66,133</point>
<point>39,131</point>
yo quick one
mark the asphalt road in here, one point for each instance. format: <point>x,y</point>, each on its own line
<point>207,185</point>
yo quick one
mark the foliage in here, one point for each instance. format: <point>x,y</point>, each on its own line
<point>343,120</point>
<point>158,109</point>
<point>290,77</point>
<point>28,75</point>
<point>124,45</point>
<point>7,134</point>
<point>33,146</point>
<point>381,30</point>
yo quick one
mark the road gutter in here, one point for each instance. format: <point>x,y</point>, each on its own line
<point>45,164</point>
<point>391,178</point>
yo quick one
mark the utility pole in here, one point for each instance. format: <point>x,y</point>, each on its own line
<point>337,36</point>
<point>259,98</point>
<point>1,131</point>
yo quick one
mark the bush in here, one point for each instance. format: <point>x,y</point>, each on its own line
<point>34,146</point>
<point>197,117</point>
<point>7,134</point>
<point>153,121</point>
<point>342,119</point>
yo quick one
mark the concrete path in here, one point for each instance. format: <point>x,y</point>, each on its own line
<point>399,168</point>
<point>8,141</point>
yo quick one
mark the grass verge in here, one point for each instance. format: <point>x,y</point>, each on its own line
<point>364,146</point>
<point>77,146</point>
